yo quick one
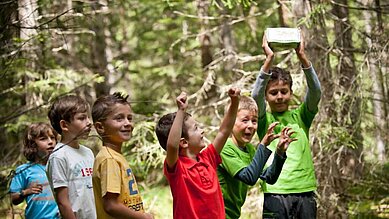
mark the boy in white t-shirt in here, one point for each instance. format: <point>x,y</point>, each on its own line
<point>70,166</point>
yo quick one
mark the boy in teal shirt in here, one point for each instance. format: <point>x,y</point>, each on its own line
<point>292,196</point>
<point>242,164</point>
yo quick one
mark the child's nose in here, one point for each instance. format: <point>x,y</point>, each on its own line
<point>51,141</point>
<point>128,122</point>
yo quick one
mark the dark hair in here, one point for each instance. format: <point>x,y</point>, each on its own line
<point>64,108</point>
<point>104,104</point>
<point>279,74</point>
<point>33,132</point>
<point>165,124</point>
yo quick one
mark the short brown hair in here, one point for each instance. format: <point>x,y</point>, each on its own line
<point>279,74</point>
<point>165,124</point>
<point>245,103</point>
<point>64,108</point>
<point>103,105</point>
<point>33,132</point>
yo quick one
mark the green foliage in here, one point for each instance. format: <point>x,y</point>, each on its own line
<point>370,195</point>
<point>143,150</point>
<point>231,3</point>
<point>153,51</point>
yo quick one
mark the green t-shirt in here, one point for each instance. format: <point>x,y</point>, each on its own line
<point>234,191</point>
<point>298,174</point>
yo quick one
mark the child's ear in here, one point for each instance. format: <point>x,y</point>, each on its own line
<point>64,125</point>
<point>99,127</point>
<point>183,143</point>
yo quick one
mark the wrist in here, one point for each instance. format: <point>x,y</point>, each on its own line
<point>22,194</point>
<point>280,151</point>
<point>304,61</point>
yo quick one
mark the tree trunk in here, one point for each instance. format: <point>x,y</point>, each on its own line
<point>208,90</point>
<point>350,158</point>
<point>283,14</point>
<point>378,89</point>
<point>101,52</point>
<point>28,14</point>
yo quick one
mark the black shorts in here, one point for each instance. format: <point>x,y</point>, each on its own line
<point>288,206</point>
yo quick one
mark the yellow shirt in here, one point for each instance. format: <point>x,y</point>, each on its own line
<point>111,173</point>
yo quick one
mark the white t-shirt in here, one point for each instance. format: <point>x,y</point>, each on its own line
<point>73,168</point>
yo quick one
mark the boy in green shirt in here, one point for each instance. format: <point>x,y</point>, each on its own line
<point>242,164</point>
<point>292,196</point>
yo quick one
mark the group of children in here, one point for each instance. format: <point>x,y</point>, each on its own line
<point>206,181</point>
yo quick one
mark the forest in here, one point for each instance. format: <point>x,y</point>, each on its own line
<point>153,50</point>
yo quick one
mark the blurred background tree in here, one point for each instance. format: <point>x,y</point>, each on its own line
<point>152,50</point>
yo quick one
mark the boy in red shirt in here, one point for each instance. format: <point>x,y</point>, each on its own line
<point>190,166</point>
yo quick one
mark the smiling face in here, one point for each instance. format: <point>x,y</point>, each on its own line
<point>245,127</point>
<point>117,127</point>
<point>194,135</point>
<point>278,95</point>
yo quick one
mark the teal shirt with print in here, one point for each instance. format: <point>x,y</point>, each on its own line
<point>298,174</point>
<point>234,191</point>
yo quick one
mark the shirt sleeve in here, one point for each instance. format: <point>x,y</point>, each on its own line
<point>58,172</point>
<point>258,92</point>
<point>110,177</point>
<point>212,156</point>
<point>252,172</point>
<point>19,181</point>
<point>313,95</point>
<point>231,162</point>
<point>271,174</point>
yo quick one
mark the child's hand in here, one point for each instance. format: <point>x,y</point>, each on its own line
<point>234,93</point>
<point>300,51</point>
<point>285,140</point>
<point>266,48</point>
<point>33,188</point>
<point>270,136</point>
<point>181,101</point>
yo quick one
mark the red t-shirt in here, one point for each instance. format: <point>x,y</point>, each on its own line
<point>195,186</point>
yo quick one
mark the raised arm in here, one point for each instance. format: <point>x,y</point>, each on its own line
<point>228,120</point>
<point>174,138</point>
<point>313,94</point>
<point>259,89</point>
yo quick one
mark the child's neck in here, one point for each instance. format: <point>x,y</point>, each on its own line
<point>188,154</point>
<point>42,161</point>
<point>71,142</point>
<point>115,147</point>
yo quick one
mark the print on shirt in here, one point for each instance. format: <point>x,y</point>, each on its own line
<point>134,200</point>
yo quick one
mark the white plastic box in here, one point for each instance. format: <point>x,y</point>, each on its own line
<point>282,37</point>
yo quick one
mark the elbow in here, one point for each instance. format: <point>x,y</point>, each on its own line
<point>271,182</point>
<point>108,208</point>
<point>16,202</point>
<point>110,205</point>
<point>318,92</point>
<point>250,183</point>
<point>254,95</point>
